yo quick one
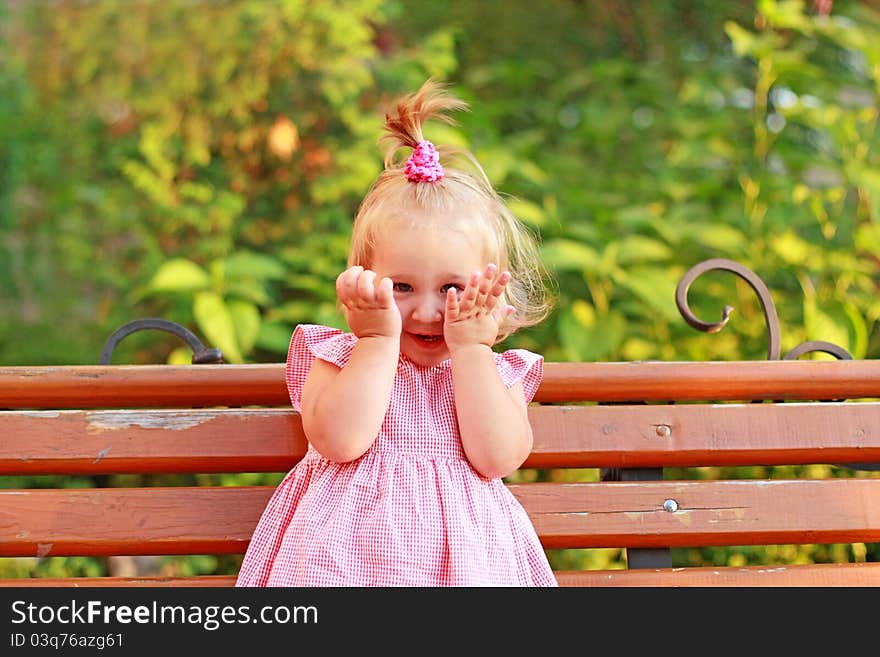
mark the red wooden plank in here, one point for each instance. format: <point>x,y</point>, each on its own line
<point>150,441</point>
<point>100,386</point>
<point>271,440</point>
<point>704,435</point>
<point>811,575</point>
<point>108,521</point>
<point>737,512</point>
<point>220,520</point>
<point>200,581</point>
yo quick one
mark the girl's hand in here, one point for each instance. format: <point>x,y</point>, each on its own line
<point>477,315</point>
<point>369,304</point>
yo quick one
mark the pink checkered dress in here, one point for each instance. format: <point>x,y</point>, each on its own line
<point>411,511</point>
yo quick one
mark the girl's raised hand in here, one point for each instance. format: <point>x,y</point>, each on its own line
<point>369,304</point>
<point>476,316</point>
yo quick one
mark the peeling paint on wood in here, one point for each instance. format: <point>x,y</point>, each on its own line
<point>37,414</point>
<point>174,420</point>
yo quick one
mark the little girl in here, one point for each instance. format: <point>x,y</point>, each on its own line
<point>412,418</point>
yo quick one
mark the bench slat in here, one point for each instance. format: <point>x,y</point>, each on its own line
<point>199,581</point>
<point>821,575</point>
<point>135,521</point>
<point>220,520</point>
<point>107,386</point>
<point>734,512</point>
<point>271,440</point>
<point>813,575</point>
<point>704,435</point>
<point>150,441</point>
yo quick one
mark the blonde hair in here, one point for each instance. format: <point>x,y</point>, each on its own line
<point>393,198</point>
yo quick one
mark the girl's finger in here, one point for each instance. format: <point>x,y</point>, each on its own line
<point>452,307</point>
<point>346,283</point>
<point>500,283</point>
<point>486,284</point>
<point>385,292</point>
<point>366,287</point>
<point>469,296</point>
<point>502,312</point>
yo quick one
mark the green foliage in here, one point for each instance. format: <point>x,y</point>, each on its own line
<point>650,164</point>
<point>233,131</point>
<point>205,168</point>
<point>634,148</point>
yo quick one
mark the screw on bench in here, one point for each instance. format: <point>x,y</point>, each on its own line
<point>201,353</point>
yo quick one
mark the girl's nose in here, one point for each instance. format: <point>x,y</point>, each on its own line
<point>428,309</point>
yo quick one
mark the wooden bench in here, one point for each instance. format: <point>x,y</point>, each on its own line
<point>615,418</point>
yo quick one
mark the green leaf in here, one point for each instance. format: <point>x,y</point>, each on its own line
<point>637,248</point>
<point>252,291</point>
<point>294,312</point>
<point>274,336</point>
<point>527,212</point>
<point>215,321</point>
<point>180,356</point>
<point>743,41</point>
<point>246,322</point>
<point>791,248</point>
<point>196,191</point>
<point>563,254</point>
<point>179,275</point>
<point>531,172</point>
<point>834,324</point>
<point>655,287</point>
<point>786,14</point>
<point>247,264</point>
<point>586,337</point>
<point>329,315</point>
<point>640,218</point>
<point>638,349</point>
<point>320,287</point>
<point>868,238</point>
<point>718,237</point>
<point>859,341</point>
<point>865,177</point>
<point>750,44</point>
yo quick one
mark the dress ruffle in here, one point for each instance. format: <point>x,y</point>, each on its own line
<point>311,341</point>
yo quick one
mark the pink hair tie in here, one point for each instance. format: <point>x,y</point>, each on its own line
<point>424,164</point>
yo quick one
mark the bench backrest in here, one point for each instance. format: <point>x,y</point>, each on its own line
<point>618,418</point>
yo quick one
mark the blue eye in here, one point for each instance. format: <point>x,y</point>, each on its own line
<point>451,286</point>
<point>402,287</point>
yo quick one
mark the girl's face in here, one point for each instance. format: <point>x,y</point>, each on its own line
<point>423,263</point>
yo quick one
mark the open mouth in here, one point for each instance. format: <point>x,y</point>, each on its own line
<point>428,339</point>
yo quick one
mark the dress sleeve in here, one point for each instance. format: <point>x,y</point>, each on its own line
<point>311,341</point>
<point>521,365</point>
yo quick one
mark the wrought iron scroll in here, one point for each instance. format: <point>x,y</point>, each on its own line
<point>201,353</point>
<point>770,316</point>
<point>750,277</point>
